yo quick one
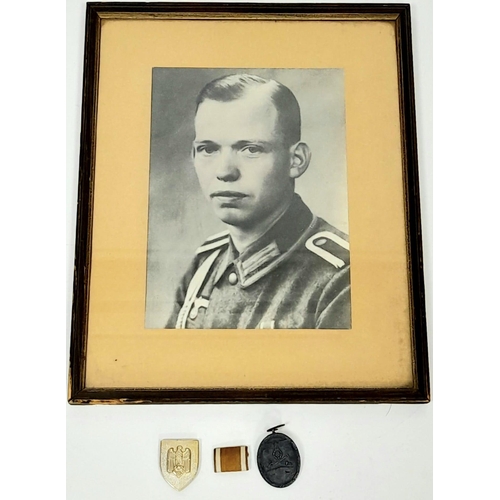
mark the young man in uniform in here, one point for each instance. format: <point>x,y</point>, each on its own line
<point>277,265</point>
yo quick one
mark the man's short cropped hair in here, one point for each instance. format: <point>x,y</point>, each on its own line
<point>232,87</point>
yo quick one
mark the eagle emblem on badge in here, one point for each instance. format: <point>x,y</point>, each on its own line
<point>179,461</point>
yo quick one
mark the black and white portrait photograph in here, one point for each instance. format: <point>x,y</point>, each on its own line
<point>248,206</point>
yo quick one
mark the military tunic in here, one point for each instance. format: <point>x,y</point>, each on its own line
<point>297,275</point>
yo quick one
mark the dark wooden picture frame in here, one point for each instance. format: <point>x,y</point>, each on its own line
<point>97,13</point>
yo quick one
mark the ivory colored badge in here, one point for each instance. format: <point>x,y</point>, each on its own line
<point>232,459</point>
<point>179,459</point>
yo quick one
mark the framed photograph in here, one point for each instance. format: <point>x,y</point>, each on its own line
<point>248,222</point>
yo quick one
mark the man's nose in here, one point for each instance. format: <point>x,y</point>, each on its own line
<point>227,168</point>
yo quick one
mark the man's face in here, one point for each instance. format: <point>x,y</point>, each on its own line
<point>240,159</point>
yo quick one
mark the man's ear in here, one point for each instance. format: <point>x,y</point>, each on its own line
<point>300,156</point>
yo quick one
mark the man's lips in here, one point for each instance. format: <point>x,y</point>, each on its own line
<point>228,194</point>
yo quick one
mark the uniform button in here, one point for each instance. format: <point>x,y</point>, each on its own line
<point>233,279</point>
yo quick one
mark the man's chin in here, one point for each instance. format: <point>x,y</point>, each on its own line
<point>231,216</point>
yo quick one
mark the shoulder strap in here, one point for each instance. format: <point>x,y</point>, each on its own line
<point>215,241</point>
<point>315,244</point>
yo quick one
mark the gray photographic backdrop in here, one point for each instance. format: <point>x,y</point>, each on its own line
<point>180,219</point>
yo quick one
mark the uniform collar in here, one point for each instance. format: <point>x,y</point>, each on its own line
<point>264,254</point>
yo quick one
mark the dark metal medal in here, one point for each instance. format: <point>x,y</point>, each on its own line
<point>278,459</point>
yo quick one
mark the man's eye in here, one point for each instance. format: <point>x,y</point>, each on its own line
<point>206,149</point>
<point>253,150</point>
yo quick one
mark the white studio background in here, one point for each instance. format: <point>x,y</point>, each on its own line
<point>110,450</point>
<point>372,453</point>
<point>349,452</point>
